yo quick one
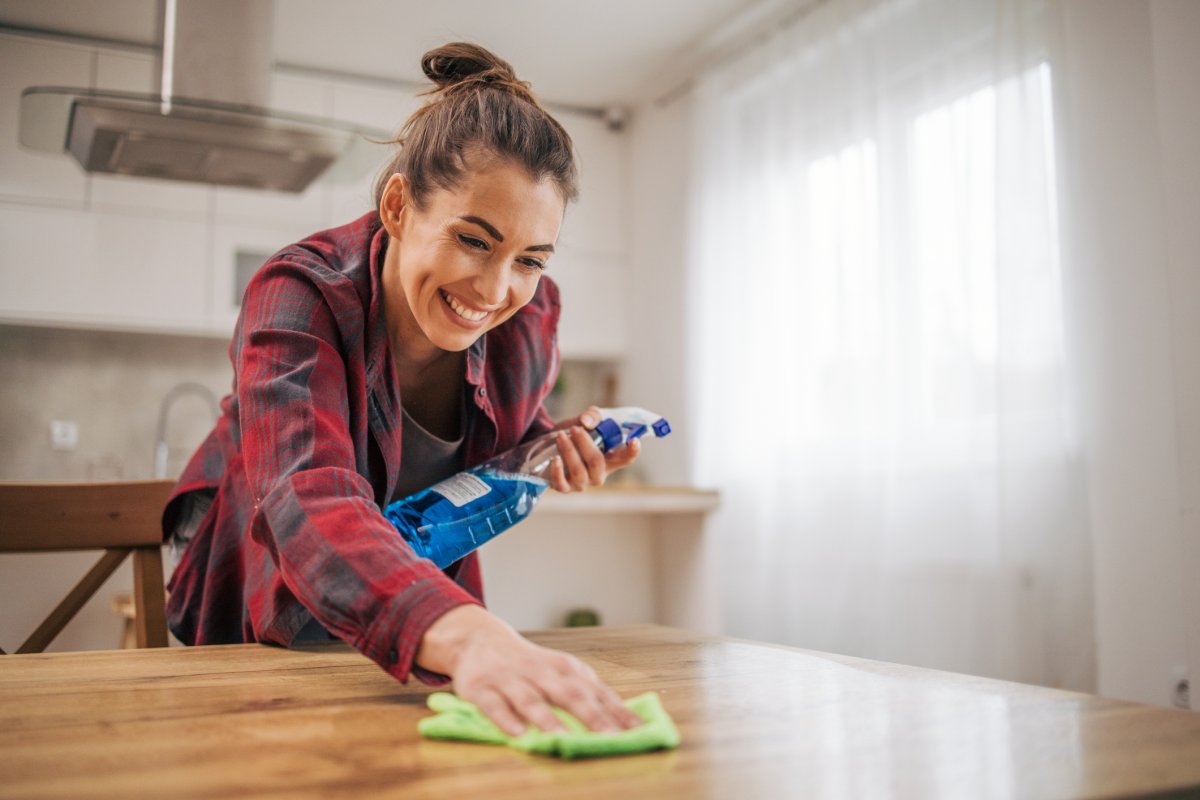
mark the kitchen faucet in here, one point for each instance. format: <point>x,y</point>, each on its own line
<point>160,439</point>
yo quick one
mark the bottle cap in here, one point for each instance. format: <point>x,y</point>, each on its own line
<point>610,433</point>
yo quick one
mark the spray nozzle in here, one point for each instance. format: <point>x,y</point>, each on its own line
<point>629,423</point>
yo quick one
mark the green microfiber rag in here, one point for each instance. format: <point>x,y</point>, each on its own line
<point>459,719</point>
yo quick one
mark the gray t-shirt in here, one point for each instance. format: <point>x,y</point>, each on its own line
<point>424,458</point>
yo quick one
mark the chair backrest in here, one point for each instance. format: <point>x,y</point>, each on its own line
<point>122,518</point>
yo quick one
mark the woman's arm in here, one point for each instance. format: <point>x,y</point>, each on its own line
<point>299,388</point>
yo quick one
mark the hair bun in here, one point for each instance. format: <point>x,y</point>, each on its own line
<point>458,62</point>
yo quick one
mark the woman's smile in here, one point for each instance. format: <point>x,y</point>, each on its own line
<point>465,313</point>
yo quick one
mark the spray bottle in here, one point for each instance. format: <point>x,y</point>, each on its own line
<point>450,519</point>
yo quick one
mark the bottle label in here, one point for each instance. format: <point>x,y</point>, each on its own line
<point>461,489</point>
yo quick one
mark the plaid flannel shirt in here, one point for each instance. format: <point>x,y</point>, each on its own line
<point>307,452</point>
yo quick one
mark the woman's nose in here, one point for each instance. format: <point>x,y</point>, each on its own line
<point>492,284</point>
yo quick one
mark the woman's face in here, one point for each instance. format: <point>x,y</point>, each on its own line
<point>472,257</point>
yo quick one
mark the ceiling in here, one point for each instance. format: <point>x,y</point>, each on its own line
<point>594,53</point>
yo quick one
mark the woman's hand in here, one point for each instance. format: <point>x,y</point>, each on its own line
<point>514,681</point>
<point>581,462</point>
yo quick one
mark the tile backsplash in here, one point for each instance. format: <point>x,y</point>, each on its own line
<point>112,386</point>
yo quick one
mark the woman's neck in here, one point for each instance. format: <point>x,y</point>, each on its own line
<point>430,379</point>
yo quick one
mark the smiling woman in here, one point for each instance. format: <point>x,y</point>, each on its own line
<point>375,359</point>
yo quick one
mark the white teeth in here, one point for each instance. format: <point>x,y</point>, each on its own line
<point>463,311</point>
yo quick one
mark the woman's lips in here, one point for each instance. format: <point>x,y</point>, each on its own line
<point>461,312</point>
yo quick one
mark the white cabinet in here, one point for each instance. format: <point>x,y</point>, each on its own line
<point>594,298</point>
<point>31,175</point>
<point>96,269</point>
<point>93,251</point>
<point>591,264</point>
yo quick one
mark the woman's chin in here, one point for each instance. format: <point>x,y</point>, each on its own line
<point>455,341</point>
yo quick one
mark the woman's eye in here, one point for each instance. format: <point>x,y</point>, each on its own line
<point>532,263</point>
<point>473,242</point>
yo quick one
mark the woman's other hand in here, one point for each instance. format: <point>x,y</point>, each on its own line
<point>514,681</point>
<point>581,462</point>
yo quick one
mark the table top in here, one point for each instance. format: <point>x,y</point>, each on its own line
<point>757,721</point>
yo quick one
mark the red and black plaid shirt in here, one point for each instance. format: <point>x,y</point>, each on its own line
<point>307,451</point>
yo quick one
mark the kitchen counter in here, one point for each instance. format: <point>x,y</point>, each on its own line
<point>757,721</point>
<point>631,500</point>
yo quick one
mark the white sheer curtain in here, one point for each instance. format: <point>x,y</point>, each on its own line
<point>877,342</point>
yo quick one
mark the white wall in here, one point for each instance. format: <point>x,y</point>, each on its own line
<point>1129,103</point>
<point>655,367</point>
<point>1175,31</point>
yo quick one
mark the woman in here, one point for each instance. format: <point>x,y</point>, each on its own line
<point>372,360</point>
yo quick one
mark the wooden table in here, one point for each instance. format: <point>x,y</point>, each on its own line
<point>757,721</point>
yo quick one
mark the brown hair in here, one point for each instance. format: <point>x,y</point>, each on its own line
<point>478,104</point>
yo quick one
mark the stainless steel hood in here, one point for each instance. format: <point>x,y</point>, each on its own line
<point>209,123</point>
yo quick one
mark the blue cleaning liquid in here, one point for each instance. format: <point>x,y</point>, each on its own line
<point>450,519</point>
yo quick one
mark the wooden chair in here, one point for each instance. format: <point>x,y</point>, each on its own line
<point>121,518</point>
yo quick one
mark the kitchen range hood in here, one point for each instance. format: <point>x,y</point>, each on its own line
<point>209,123</point>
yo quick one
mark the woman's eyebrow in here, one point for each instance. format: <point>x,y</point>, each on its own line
<point>499,237</point>
<point>487,226</point>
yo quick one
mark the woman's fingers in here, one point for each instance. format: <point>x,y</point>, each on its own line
<point>557,475</point>
<point>591,455</point>
<point>494,705</point>
<point>582,701</point>
<point>582,460</point>
<point>625,718</point>
<point>623,456</point>
<point>581,463</point>
<point>572,463</point>
<point>532,705</point>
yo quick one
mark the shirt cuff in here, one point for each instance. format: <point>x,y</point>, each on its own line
<point>392,642</point>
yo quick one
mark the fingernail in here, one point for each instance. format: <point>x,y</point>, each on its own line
<point>589,420</point>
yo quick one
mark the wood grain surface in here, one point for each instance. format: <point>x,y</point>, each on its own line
<point>82,516</point>
<point>757,721</point>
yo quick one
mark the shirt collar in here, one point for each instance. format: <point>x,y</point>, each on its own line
<point>476,354</point>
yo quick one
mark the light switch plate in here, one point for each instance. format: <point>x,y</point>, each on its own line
<point>64,434</point>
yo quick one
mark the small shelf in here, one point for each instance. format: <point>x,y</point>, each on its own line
<point>632,500</point>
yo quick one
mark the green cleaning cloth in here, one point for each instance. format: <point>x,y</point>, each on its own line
<point>458,719</point>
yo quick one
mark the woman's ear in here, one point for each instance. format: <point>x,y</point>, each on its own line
<point>393,203</point>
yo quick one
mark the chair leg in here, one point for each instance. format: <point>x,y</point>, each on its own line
<point>149,597</point>
<point>75,600</point>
